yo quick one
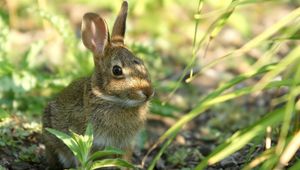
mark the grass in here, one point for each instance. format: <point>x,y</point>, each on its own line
<point>224,149</point>
<point>26,84</point>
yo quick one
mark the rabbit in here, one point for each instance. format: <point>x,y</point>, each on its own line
<point>114,98</point>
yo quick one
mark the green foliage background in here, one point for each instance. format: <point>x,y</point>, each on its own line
<point>244,41</point>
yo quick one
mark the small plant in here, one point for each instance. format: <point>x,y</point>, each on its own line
<point>81,145</point>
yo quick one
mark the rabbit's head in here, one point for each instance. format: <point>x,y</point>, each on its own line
<point>119,77</point>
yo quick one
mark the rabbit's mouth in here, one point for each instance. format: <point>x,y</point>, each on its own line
<point>136,99</point>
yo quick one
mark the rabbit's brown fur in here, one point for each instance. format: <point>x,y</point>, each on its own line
<point>116,105</point>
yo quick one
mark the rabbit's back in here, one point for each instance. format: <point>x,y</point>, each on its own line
<point>66,110</point>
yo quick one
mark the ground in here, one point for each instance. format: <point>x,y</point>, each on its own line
<point>22,147</point>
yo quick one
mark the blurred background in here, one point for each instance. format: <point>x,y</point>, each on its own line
<point>41,52</point>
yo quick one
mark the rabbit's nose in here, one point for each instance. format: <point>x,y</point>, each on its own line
<point>148,92</point>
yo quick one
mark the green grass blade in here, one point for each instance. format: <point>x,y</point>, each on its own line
<point>245,91</point>
<point>212,31</point>
<point>268,55</point>
<point>289,151</point>
<point>272,30</point>
<point>290,32</point>
<point>284,63</point>
<point>217,25</point>
<point>237,80</point>
<point>161,151</point>
<point>241,138</point>
<point>112,163</point>
<point>294,92</point>
<point>259,159</point>
<point>258,40</point>
<point>193,59</point>
<point>106,152</point>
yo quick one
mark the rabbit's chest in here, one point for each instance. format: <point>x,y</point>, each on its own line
<point>115,126</point>
<point>117,134</point>
<point>101,141</point>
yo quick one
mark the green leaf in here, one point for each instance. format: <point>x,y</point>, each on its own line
<point>83,147</point>
<point>62,136</point>
<point>80,147</point>
<point>89,131</point>
<point>71,143</point>
<point>117,150</point>
<point>111,163</point>
<point>88,135</point>
<point>104,153</point>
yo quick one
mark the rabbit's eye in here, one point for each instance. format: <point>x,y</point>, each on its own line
<point>136,62</point>
<point>117,70</point>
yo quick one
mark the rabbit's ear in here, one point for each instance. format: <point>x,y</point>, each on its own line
<point>120,25</point>
<point>94,33</point>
